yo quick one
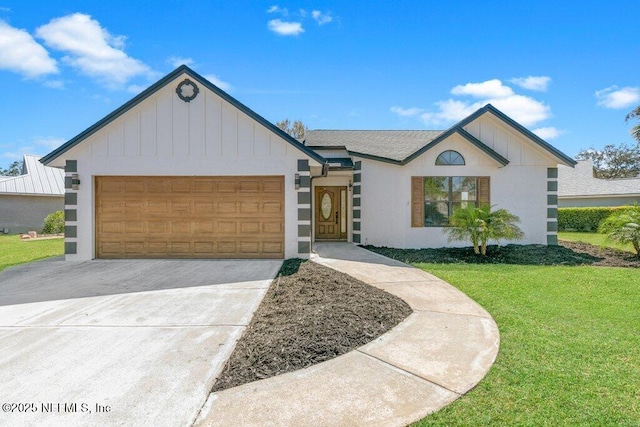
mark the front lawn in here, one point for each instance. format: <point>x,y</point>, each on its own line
<point>596,239</point>
<point>569,350</point>
<point>14,251</point>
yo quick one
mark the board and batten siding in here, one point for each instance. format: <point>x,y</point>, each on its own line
<point>165,136</point>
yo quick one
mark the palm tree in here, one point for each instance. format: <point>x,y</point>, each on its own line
<point>479,225</point>
<point>635,114</point>
<point>623,227</point>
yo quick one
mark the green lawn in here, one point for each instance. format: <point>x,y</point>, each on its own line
<point>596,239</point>
<point>569,350</point>
<point>14,251</point>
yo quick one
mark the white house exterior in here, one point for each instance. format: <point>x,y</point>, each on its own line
<point>26,199</point>
<point>183,170</point>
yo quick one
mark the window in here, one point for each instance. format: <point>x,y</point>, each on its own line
<point>434,198</point>
<point>450,157</point>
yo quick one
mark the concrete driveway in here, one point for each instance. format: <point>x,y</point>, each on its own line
<point>120,342</point>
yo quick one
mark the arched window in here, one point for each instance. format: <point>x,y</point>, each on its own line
<point>450,157</point>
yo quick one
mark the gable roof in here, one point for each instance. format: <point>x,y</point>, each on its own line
<point>36,180</point>
<point>517,126</point>
<point>402,146</point>
<point>183,69</point>
<point>580,182</point>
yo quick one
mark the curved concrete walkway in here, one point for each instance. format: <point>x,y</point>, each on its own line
<point>441,351</point>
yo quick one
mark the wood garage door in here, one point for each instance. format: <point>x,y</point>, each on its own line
<point>190,217</point>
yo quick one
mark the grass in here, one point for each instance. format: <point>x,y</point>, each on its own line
<point>596,239</point>
<point>14,251</point>
<point>569,346</point>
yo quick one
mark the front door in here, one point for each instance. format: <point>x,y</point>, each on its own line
<point>331,213</point>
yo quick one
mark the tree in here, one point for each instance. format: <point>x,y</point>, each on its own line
<point>623,227</point>
<point>635,131</point>
<point>613,162</point>
<point>14,169</point>
<point>479,225</point>
<point>297,129</point>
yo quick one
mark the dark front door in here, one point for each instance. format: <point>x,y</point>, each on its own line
<point>330,213</point>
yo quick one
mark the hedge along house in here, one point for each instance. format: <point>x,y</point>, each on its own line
<point>184,170</point>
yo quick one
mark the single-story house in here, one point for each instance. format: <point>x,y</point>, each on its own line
<point>577,187</point>
<point>184,170</point>
<point>26,199</point>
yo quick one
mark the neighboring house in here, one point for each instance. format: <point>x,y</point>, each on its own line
<point>184,170</point>
<point>26,199</point>
<point>577,187</point>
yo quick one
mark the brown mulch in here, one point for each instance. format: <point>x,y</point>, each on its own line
<point>309,315</point>
<point>607,257</point>
<point>566,253</point>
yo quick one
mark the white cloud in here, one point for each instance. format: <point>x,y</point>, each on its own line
<point>548,132</point>
<point>54,84</point>
<point>284,28</point>
<point>405,112</point>
<point>92,50</point>
<point>177,61</point>
<point>537,83</point>
<point>321,18</point>
<point>48,142</point>
<point>218,82</point>
<point>450,111</point>
<point>19,52</point>
<point>523,109</point>
<point>278,9</point>
<point>489,89</point>
<point>38,146</point>
<point>136,89</point>
<point>614,97</point>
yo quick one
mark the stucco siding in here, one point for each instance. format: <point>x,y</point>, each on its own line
<point>520,187</point>
<point>165,136</point>
<point>25,213</point>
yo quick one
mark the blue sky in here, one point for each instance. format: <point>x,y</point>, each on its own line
<point>568,70</point>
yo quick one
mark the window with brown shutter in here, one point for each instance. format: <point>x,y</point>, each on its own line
<point>484,191</point>
<point>417,201</point>
<point>434,198</point>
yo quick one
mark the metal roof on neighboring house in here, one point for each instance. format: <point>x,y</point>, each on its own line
<point>389,144</point>
<point>579,181</point>
<point>36,179</point>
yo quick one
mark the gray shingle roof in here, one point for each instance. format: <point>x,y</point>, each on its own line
<point>37,180</point>
<point>579,181</point>
<point>390,144</point>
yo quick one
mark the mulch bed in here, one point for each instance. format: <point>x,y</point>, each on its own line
<point>566,253</point>
<point>309,315</point>
<point>313,313</point>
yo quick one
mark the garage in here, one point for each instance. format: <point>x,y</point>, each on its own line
<point>189,216</point>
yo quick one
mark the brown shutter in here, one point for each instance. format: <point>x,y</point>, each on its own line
<point>484,191</point>
<point>417,201</point>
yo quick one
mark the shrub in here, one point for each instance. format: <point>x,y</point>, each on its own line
<point>584,219</point>
<point>478,225</point>
<point>54,223</point>
<point>623,226</point>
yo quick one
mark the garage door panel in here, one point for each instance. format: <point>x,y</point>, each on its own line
<point>190,217</point>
